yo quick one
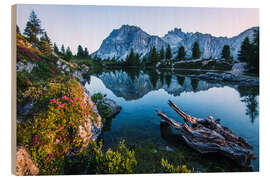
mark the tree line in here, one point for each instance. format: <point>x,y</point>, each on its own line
<point>39,38</point>
<point>249,51</point>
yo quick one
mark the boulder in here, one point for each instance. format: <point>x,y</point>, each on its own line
<point>24,165</point>
<point>28,67</point>
<point>114,108</point>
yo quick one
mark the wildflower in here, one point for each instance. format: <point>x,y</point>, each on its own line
<point>52,70</point>
<point>72,104</point>
<point>61,128</point>
<point>35,140</point>
<point>52,99</point>
<point>66,98</point>
<point>70,101</point>
<point>50,156</point>
<point>41,144</point>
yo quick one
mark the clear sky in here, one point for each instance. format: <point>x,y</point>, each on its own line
<point>89,25</point>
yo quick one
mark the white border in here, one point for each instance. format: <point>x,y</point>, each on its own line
<point>5,64</point>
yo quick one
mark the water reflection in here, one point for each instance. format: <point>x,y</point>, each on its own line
<point>249,95</point>
<point>141,91</point>
<point>133,84</point>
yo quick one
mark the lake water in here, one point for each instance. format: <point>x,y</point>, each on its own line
<point>140,93</point>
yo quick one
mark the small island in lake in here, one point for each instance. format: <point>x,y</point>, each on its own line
<point>92,97</point>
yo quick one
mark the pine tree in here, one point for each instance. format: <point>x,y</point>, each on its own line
<point>69,54</point>
<point>162,53</point>
<point>254,60</point>
<point>33,28</point>
<point>181,53</point>
<point>137,57</point>
<point>130,58</point>
<point>63,51</point>
<point>86,53</point>
<point>153,56</point>
<point>45,44</point>
<point>226,53</point>
<point>80,52</point>
<point>168,52</point>
<point>55,48</point>
<point>144,60</point>
<point>245,51</point>
<point>196,52</point>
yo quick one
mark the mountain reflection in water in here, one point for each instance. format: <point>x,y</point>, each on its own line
<point>141,92</point>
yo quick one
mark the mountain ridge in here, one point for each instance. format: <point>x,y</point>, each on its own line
<point>120,41</point>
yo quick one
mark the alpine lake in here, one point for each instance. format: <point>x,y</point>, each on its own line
<point>140,92</point>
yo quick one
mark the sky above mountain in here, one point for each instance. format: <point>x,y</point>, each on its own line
<point>89,25</point>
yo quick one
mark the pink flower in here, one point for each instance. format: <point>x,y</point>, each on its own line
<point>61,128</point>
<point>66,98</point>
<point>72,104</point>
<point>41,144</point>
<point>59,105</point>
<point>52,99</point>
<point>50,156</point>
<point>35,140</point>
<point>70,101</point>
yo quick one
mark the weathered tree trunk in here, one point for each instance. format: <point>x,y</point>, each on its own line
<point>209,136</point>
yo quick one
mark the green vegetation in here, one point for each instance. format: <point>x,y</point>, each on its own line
<point>226,53</point>
<point>169,168</point>
<point>181,53</point>
<point>162,53</point>
<point>196,52</point>
<point>132,59</point>
<point>168,52</point>
<point>249,52</point>
<point>103,109</point>
<point>33,29</point>
<point>153,56</point>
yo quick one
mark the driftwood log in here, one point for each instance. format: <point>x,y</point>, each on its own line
<point>209,136</point>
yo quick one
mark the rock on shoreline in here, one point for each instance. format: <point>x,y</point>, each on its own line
<point>228,77</point>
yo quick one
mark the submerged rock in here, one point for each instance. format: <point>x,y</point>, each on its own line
<point>114,108</point>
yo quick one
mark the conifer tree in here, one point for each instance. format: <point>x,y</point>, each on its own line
<point>245,51</point>
<point>45,44</point>
<point>33,28</point>
<point>131,58</point>
<point>226,53</point>
<point>168,52</point>
<point>181,53</point>
<point>63,51</point>
<point>196,52</point>
<point>86,53</point>
<point>153,56</point>
<point>256,48</point>
<point>80,52</point>
<point>55,48</point>
<point>69,54</point>
<point>162,53</point>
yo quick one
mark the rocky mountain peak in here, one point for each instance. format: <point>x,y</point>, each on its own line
<point>119,43</point>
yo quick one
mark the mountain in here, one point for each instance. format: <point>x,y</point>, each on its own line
<point>210,46</point>
<point>120,41</point>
